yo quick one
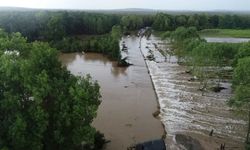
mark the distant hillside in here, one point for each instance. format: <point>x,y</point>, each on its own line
<point>16,9</point>
<point>131,11</point>
<point>173,12</point>
<point>125,11</point>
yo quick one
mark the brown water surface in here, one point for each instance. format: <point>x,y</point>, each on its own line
<point>128,99</point>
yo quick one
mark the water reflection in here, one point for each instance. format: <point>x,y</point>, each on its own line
<point>226,40</point>
<point>89,63</point>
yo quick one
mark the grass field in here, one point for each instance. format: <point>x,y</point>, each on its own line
<point>225,33</point>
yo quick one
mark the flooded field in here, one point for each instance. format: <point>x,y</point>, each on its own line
<point>125,115</point>
<point>128,99</point>
<point>183,108</point>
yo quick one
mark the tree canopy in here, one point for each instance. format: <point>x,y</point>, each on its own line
<point>42,105</point>
<point>241,84</point>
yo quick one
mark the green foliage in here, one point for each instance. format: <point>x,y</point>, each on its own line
<point>187,43</point>
<point>242,72</point>
<point>247,147</point>
<point>165,35</point>
<point>42,105</point>
<point>132,22</point>
<point>244,51</point>
<point>104,44</point>
<point>207,59</point>
<point>99,142</point>
<point>56,28</point>
<point>180,37</point>
<point>241,85</point>
<point>54,25</point>
<point>162,22</point>
<point>183,33</point>
<point>116,32</point>
<point>13,42</point>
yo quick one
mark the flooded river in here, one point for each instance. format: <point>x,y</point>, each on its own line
<point>128,99</point>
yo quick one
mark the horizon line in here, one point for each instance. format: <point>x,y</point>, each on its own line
<point>138,8</point>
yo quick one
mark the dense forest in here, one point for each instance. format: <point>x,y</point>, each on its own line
<point>54,25</point>
<point>70,30</point>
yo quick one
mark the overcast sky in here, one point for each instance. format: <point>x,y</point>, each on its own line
<point>242,5</point>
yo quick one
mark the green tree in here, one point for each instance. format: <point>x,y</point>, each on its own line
<point>244,51</point>
<point>163,22</point>
<point>132,22</point>
<point>42,105</point>
<point>183,33</point>
<point>200,61</point>
<point>193,21</point>
<point>213,21</point>
<point>181,20</point>
<point>56,28</point>
<point>203,21</point>
<point>241,85</point>
<point>116,32</point>
<point>179,39</point>
<point>209,59</point>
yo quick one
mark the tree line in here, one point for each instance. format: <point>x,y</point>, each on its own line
<point>55,25</point>
<point>107,44</point>
<point>64,29</point>
<point>165,22</point>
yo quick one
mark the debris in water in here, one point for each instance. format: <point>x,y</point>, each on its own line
<point>156,114</point>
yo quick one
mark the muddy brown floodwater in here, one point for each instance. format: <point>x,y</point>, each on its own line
<point>128,99</point>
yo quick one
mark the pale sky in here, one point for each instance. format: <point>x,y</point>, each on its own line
<point>242,5</point>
